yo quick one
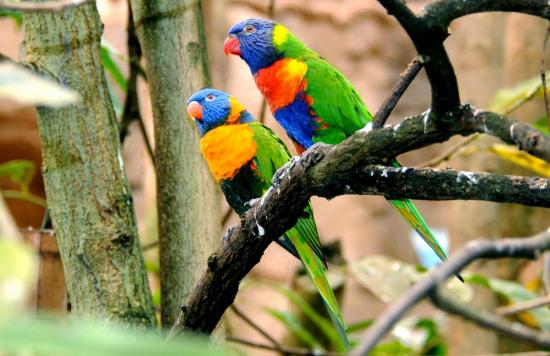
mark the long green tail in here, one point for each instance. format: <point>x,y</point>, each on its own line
<point>316,270</point>
<point>411,214</point>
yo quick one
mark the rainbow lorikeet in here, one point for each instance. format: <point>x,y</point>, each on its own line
<point>311,99</point>
<point>243,155</point>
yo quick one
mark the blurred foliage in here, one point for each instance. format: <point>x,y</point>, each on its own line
<point>18,273</point>
<point>19,172</point>
<point>50,337</point>
<point>14,15</point>
<point>521,158</point>
<point>109,56</point>
<point>514,292</point>
<point>507,100</point>
<point>25,87</point>
<point>388,279</point>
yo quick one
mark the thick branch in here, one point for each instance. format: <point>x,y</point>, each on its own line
<point>437,184</point>
<point>311,175</point>
<point>521,247</point>
<point>441,13</point>
<point>429,44</point>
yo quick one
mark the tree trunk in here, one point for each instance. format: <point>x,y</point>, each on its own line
<point>87,189</point>
<point>171,35</point>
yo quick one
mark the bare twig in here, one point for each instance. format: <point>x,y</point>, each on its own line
<point>396,93</point>
<point>131,111</point>
<point>521,307</point>
<point>281,349</point>
<point>518,248</point>
<point>488,320</point>
<point>546,272</point>
<point>150,245</point>
<point>255,326</point>
<point>42,6</point>
<point>450,153</point>
<point>543,75</point>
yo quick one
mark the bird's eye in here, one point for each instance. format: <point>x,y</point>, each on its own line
<point>249,29</point>
<point>210,97</point>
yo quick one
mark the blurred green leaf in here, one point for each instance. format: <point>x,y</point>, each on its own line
<point>521,158</point>
<point>388,279</point>
<point>320,322</point>
<point>291,322</point>
<point>19,172</point>
<point>359,326</point>
<point>15,15</point>
<point>23,86</point>
<point>18,272</point>
<point>541,124</point>
<point>40,337</point>
<point>434,344</point>
<point>108,52</point>
<point>516,293</point>
<point>508,99</point>
<point>391,348</point>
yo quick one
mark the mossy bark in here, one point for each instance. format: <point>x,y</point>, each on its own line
<point>171,35</point>
<point>87,189</point>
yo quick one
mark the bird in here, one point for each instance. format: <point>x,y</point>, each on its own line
<point>243,155</point>
<point>309,97</point>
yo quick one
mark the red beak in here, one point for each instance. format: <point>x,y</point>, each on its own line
<point>231,46</point>
<point>194,110</point>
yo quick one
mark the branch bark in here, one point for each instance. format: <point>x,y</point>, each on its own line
<point>326,171</point>
<point>29,6</point>
<point>88,193</point>
<point>518,248</point>
<point>171,35</point>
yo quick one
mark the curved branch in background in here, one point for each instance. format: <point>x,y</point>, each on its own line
<point>518,248</point>
<point>42,6</point>
<point>311,174</point>
<point>489,320</point>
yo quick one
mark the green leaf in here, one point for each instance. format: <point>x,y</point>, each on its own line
<point>516,293</point>
<point>15,15</point>
<point>291,322</point>
<point>391,348</point>
<point>19,172</point>
<point>40,337</point>
<point>508,99</point>
<point>18,272</point>
<point>359,326</point>
<point>111,65</point>
<point>388,279</point>
<point>23,86</point>
<point>322,324</point>
<point>541,124</point>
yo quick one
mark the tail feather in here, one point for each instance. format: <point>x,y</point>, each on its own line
<point>317,272</point>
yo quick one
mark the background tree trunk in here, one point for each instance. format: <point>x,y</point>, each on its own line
<point>87,189</point>
<point>171,35</point>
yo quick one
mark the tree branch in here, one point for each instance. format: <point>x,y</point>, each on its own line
<point>314,173</point>
<point>488,320</point>
<point>43,6</point>
<point>519,248</point>
<point>396,93</point>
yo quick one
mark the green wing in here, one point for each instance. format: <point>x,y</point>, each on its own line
<point>335,101</point>
<point>271,155</point>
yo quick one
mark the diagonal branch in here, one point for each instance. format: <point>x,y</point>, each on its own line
<point>519,248</point>
<point>312,174</point>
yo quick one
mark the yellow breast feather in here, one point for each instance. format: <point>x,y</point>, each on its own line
<point>227,148</point>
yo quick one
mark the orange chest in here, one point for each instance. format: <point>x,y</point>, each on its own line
<point>227,148</point>
<point>280,82</point>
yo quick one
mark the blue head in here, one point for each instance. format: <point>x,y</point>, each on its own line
<point>252,40</point>
<point>211,108</point>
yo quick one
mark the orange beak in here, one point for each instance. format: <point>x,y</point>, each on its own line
<point>194,110</point>
<point>231,46</point>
